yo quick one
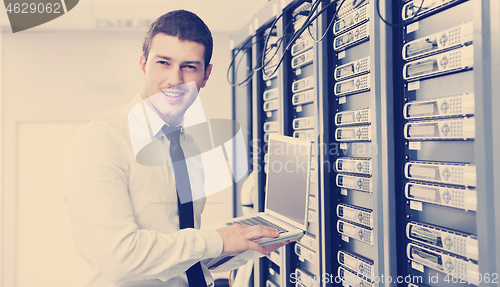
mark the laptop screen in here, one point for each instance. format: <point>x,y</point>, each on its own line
<point>287,177</point>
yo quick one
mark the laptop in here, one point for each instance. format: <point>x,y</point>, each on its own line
<point>287,190</point>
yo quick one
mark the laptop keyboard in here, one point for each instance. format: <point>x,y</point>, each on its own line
<point>257,220</point>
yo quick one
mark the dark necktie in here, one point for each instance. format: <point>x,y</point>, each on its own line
<point>186,215</point>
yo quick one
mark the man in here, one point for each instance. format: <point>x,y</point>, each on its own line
<point>122,192</point>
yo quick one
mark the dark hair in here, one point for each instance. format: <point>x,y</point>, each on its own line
<point>185,25</point>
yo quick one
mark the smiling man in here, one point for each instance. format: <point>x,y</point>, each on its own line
<point>174,70</point>
<point>130,221</point>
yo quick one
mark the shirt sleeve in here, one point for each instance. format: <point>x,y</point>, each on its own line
<point>94,178</point>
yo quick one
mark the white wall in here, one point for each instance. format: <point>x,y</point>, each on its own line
<point>72,77</point>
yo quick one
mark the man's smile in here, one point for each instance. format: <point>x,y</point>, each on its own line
<point>173,95</point>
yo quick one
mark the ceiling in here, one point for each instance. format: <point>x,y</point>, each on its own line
<point>219,15</point>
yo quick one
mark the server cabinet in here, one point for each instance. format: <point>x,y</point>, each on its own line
<point>268,78</point>
<point>302,67</point>
<point>398,98</point>
<point>439,194</point>
<point>239,76</point>
<point>440,223</point>
<point>361,177</point>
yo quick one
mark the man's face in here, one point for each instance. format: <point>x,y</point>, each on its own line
<point>172,76</point>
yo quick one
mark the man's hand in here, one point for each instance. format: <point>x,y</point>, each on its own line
<point>239,238</point>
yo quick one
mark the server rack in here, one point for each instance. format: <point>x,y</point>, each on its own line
<point>272,115</point>
<point>363,92</point>
<point>303,105</point>
<point>367,92</point>
<point>242,102</point>
<point>440,231</point>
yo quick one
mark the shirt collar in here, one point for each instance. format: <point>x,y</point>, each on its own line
<point>156,122</point>
<point>144,125</point>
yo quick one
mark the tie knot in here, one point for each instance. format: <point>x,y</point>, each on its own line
<point>173,134</point>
